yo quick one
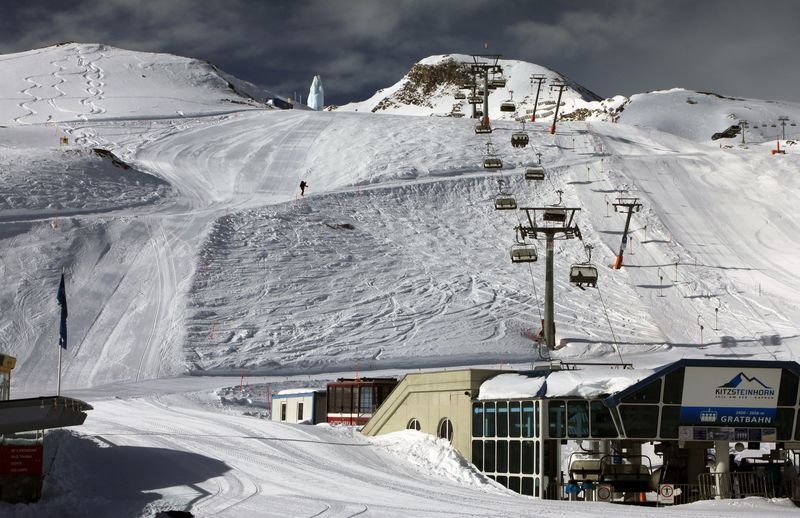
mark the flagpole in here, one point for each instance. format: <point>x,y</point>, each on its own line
<point>58,392</point>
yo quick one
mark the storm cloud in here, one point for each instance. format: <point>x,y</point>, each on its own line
<point>738,48</point>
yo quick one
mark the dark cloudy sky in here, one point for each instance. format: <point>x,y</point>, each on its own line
<point>745,48</point>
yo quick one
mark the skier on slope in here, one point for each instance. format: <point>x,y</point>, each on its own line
<point>303,186</point>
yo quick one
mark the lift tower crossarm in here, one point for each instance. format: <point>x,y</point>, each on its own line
<point>543,224</point>
<point>630,205</point>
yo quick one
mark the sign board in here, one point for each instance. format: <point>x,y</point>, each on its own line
<point>730,396</point>
<point>726,433</point>
<point>666,494</point>
<point>605,492</point>
<point>17,459</point>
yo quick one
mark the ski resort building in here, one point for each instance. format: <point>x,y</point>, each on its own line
<point>22,425</point>
<point>588,432</point>
<point>353,401</point>
<point>303,405</point>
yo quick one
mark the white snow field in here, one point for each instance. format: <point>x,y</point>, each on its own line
<point>201,263</point>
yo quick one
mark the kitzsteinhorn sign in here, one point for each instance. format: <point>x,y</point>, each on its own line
<point>730,396</point>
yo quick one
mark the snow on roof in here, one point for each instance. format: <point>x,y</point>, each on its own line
<point>587,383</point>
<point>296,391</point>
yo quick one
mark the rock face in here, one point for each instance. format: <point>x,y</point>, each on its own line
<point>316,95</point>
<point>432,87</point>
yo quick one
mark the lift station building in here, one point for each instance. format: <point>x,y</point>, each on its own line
<point>520,427</point>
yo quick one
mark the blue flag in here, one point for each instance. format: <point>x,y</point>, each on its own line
<point>62,301</point>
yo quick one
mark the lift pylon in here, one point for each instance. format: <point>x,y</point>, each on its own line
<point>541,225</point>
<point>629,205</point>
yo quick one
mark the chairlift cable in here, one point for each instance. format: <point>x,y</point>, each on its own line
<point>608,319</point>
<point>533,281</point>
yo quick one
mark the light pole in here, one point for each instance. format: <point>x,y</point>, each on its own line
<point>660,282</point>
<point>716,315</point>
<point>743,125</point>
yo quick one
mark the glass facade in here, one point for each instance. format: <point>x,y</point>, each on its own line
<point>507,436</point>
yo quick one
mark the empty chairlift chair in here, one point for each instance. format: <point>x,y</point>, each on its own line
<point>474,99</point>
<point>482,128</point>
<point>535,172</point>
<point>555,214</point>
<point>508,106</point>
<point>498,82</point>
<point>523,253</point>
<point>492,162</point>
<point>461,95</point>
<point>504,200</point>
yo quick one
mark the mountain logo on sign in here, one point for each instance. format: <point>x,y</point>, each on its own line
<point>742,385</point>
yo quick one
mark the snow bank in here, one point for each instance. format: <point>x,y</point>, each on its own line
<point>581,383</point>
<point>432,456</point>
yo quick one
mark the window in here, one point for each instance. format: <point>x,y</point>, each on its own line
<point>477,454</point>
<point>366,406</point>
<point>787,395</point>
<point>639,420</point>
<point>578,419</point>
<point>784,420</point>
<point>651,393</point>
<point>602,423</point>
<point>527,486</point>
<point>446,429</point>
<point>477,419</point>
<point>488,456</point>
<point>283,410</point>
<point>502,456</point>
<point>514,457</point>
<point>670,417</point>
<point>488,420</point>
<point>299,411</point>
<point>556,411</point>
<point>514,424</point>
<point>502,419</point>
<point>527,419</point>
<point>527,457</point>
<point>673,387</point>
<point>413,424</point>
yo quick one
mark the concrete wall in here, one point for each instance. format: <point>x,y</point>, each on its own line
<point>429,397</point>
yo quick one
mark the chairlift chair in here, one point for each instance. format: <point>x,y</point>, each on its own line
<point>773,125</point>
<point>583,275</point>
<point>492,162</point>
<point>497,83</point>
<point>474,99</point>
<point>554,214</point>
<point>535,172</point>
<point>523,253</point>
<point>508,106</point>
<point>519,139</point>
<point>505,201</point>
<point>479,113</point>
<point>793,124</point>
<point>461,95</point>
<point>482,128</point>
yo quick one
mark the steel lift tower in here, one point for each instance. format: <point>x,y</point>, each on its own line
<point>629,205</point>
<point>549,223</point>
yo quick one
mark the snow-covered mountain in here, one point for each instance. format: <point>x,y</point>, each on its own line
<point>431,84</point>
<point>77,81</point>
<point>201,257</point>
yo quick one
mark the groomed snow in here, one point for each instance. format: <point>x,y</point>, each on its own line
<point>204,259</point>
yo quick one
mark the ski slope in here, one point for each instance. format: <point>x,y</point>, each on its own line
<point>203,259</point>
